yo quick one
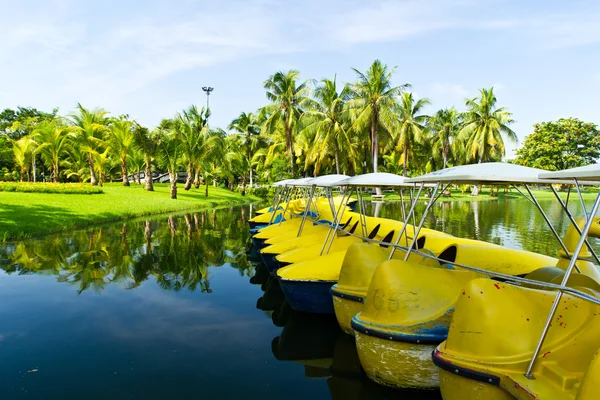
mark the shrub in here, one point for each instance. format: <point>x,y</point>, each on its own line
<point>258,191</point>
<point>40,187</point>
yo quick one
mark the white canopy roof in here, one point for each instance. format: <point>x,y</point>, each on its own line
<point>495,172</point>
<point>283,182</point>
<point>375,179</point>
<point>589,173</point>
<point>328,180</point>
<point>299,182</point>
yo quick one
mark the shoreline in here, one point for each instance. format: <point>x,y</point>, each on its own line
<point>31,215</point>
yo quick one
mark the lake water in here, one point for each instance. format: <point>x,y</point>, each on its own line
<point>173,307</point>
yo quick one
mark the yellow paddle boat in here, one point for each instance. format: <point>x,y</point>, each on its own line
<point>534,339</point>
<point>409,305</point>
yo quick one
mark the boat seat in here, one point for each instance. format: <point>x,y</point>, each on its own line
<point>555,275</point>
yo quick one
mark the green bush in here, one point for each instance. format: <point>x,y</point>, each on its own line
<point>40,187</point>
<point>259,191</point>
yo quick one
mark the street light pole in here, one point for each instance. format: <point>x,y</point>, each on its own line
<point>207,89</point>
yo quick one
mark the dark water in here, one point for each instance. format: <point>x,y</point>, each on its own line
<point>173,307</point>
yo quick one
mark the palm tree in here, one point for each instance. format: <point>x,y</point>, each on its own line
<point>248,125</point>
<point>327,122</point>
<point>288,100</point>
<point>89,127</point>
<point>136,162</point>
<point>373,105</point>
<point>412,125</point>
<point>121,139</point>
<point>446,125</point>
<point>147,143</point>
<point>23,150</point>
<point>102,162</point>
<point>170,151</point>
<point>54,139</point>
<point>193,124</point>
<point>484,125</point>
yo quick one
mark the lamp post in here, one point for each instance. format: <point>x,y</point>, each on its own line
<point>207,89</point>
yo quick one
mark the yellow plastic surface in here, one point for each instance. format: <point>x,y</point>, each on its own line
<point>313,250</point>
<point>495,329</point>
<point>324,268</point>
<point>397,364</point>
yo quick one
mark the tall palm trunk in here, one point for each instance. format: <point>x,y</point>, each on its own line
<point>206,191</point>
<point>244,185</point>
<point>22,173</point>
<point>173,179</point>
<point>375,138</point>
<point>337,156</point>
<point>124,171</point>
<point>188,179</point>
<point>288,135</point>
<point>55,169</point>
<point>93,179</point>
<point>197,177</point>
<point>404,161</point>
<point>149,184</point>
<point>445,153</point>
<point>251,182</point>
<point>139,177</point>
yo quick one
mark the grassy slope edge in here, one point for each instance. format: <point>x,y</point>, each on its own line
<point>32,214</point>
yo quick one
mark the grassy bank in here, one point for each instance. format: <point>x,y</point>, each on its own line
<point>32,214</point>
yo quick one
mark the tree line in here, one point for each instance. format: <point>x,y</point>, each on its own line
<point>308,128</point>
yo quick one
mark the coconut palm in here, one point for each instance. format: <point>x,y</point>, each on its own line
<point>23,151</point>
<point>248,125</point>
<point>121,140</point>
<point>373,104</point>
<point>288,102</point>
<point>484,124</point>
<point>327,122</point>
<point>412,125</point>
<point>446,125</point>
<point>147,143</point>
<point>170,150</point>
<point>102,163</point>
<point>136,162</point>
<point>193,123</point>
<point>54,140</point>
<point>89,128</point>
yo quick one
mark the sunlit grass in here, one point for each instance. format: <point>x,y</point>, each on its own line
<point>46,187</point>
<point>32,214</point>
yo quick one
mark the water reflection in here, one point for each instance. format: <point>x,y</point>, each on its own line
<point>175,251</point>
<point>160,307</point>
<point>318,344</point>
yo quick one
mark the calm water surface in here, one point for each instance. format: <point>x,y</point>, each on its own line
<point>173,307</point>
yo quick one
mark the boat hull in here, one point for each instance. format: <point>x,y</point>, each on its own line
<point>346,307</point>
<point>308,296</point>
<point>397,364</point>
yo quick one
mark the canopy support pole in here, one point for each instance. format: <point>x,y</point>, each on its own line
<point>403,230</point>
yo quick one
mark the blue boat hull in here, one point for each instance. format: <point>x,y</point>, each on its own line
<point>308,296</point>
<point>270,262</point>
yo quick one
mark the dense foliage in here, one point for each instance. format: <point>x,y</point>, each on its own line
<point>566,143</point>
<point>306,128</point>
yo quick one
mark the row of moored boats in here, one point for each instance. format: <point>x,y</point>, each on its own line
<point>428,309</point>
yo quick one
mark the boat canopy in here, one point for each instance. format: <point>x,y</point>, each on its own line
<point>283,182</point>
<point>589,173</point>
<point>328,180</point>
<point>299,182</point>
<point>494,172</point>
<point>376,179</point>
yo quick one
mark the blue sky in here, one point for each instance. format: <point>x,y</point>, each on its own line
<point>150,59</point>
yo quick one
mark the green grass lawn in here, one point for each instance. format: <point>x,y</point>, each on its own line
<point>32,214</point>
